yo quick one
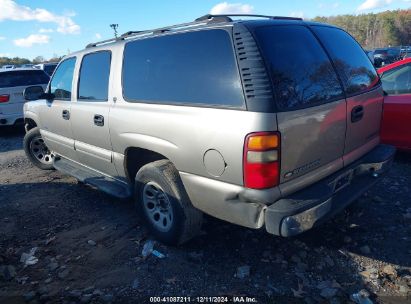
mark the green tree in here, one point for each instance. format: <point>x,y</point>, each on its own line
<point>375,30</point>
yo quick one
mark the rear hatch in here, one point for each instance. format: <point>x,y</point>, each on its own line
<point>13,83</point>
<point>308,85</point>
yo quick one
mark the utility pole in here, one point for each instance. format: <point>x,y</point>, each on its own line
<point>114,27</point>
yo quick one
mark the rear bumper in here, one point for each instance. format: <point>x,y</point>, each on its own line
<point>311,206</point>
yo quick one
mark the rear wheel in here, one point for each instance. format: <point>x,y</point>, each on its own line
<point>164,205</point>
<point>37,151</point>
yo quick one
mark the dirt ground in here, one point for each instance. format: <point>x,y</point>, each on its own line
<point>89,247</point>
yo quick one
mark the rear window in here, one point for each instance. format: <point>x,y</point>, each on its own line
<point>352,64</point>
<point>301,73</point>
<point>22,78</point>
<point>195,68</point>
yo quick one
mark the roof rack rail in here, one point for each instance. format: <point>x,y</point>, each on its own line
<point>94,44</point>
<point>161,29</point>
<point>221,17</point>
<point>130,33</point>
<point>209,18</point>
<point>147,32</point>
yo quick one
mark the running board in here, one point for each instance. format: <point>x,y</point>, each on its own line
<point>93,178</point>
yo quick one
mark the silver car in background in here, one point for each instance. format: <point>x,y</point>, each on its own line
<point>13,82</point>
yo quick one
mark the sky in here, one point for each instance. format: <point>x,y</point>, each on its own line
<point>48,27</point>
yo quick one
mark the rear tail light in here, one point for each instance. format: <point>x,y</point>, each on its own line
<point>261,160</point>
<point>4,98</point>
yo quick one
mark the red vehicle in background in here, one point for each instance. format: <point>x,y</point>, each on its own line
<point>396,123</point>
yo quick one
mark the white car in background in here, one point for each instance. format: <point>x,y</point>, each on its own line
<point>13,82</point>
<point>8,67</point>
<point>27,65</point>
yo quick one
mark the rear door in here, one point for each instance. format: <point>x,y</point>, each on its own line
<point>311,109</point>
<point>362,88</point>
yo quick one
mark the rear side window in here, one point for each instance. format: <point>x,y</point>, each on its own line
<point>300,70</point>
<point>62,80</point>
<point>94,76</point>
<point>350,60</point>
<point>22,78</point>
<point>195,68</point>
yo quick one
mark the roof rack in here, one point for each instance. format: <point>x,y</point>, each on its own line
<point>209,18</point>
<point>93,44</point>
<point>148,32</point>
<point>163,29</point>
<point>226,17</point>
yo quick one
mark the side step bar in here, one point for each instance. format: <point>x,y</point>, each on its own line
<point>88,176</point>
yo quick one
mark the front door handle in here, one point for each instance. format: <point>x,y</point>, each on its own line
<point>98,120</point>
<point>357,113</point>
<point>66,114</point>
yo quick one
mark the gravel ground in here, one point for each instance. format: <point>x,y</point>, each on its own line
<point>65,242</point>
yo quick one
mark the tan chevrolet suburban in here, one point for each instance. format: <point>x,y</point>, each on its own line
<point>267,122</point>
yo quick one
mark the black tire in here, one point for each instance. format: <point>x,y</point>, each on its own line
<point>186,220</point>
<point>31,135</point>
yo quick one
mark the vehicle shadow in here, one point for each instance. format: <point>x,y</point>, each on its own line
<point>403,157</point>
<point>11,138</point>
<point>11,131</point>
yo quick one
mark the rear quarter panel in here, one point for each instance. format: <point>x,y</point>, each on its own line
<point>183,134</point>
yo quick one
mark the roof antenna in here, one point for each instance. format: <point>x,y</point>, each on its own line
<point>114,27</point>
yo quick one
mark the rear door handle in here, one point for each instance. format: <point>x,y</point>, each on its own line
<point>66,114</point>
<point>98,120</point>
<point>357,113</point>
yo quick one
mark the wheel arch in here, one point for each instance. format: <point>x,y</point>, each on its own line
<point>136,157</point>
<point>29,123</point>
<point>31,120</point>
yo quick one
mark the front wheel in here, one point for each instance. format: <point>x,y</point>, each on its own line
<point>164,205</point>
<point>37,151</point>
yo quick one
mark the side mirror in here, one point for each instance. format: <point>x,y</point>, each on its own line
<point>33,93</point>
<point>47,96</point>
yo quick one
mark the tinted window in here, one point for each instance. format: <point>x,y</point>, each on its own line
<point>378,52</point>
<point>301,72</point>
<point>49,69</point>
<point>94,74</point>
<point>22,78</point>
<point>193,68</point>
<point>62,79</point>
<point>352,64</point>
<point>397,81</point>
<point>394,52</point>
